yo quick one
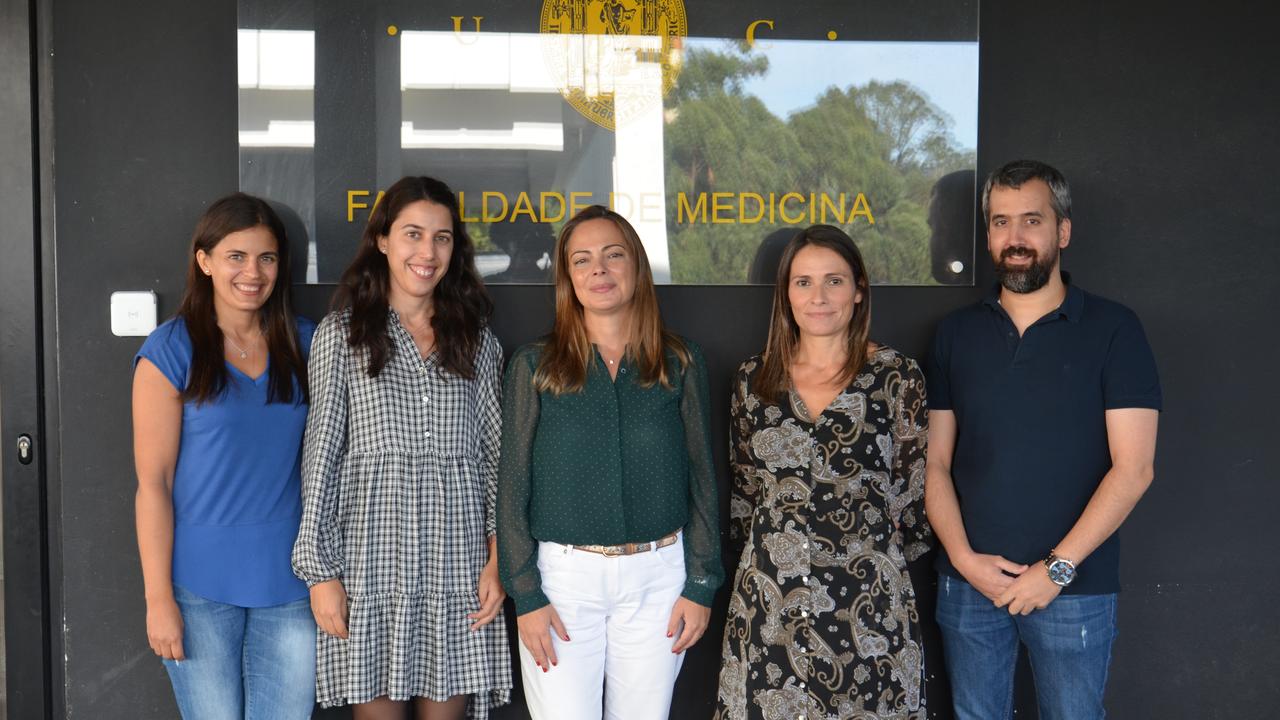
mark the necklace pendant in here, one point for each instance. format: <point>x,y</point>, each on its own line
<point>243,355</point>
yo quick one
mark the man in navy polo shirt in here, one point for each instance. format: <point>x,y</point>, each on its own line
<point>1044,401</point>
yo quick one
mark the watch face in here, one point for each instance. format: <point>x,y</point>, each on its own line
<point>1061,572</point>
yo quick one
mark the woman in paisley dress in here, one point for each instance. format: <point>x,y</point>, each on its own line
<point>828,451</point>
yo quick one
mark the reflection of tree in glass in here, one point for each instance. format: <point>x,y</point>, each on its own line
<point>885,140</point>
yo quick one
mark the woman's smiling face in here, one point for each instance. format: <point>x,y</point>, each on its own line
<point>418,249</point>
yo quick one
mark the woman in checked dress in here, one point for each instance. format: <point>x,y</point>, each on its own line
<point>399,469</point>
<point>828,440</point>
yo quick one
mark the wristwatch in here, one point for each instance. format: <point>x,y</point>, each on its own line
<point>1061,570</point>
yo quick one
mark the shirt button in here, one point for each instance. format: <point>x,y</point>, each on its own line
<point>426,398</point>
<point>801,685</point>
<point>805,579</point>
<point>804,613</point>
<point>428,434</point>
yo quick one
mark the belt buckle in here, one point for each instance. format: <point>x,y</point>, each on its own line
<point>612,551</point>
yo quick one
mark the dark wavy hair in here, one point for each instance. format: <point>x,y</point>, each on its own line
<point>461,304</point>
<point>208,379</point>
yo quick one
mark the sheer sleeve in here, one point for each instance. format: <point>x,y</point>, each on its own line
<point>703,569</point>
<point>517,548</point>
<point>745,483</point>
<point>910,436</point>
<point>318,552</point>
<point>489,412</point>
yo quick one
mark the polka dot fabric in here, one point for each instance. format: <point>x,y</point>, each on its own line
<point>614,463</point>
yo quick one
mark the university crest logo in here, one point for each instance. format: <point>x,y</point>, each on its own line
<point>613,59</point>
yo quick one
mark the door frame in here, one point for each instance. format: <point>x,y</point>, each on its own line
<point>26,330</point>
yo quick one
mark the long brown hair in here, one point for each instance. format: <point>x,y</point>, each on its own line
<point>461,304</point>
<point>567,354</point>
<point>774,377</point>
<point>208,379</point>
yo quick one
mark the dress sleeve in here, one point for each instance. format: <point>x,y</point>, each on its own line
<point>489,377</point>
<point>703,569</point>
<point>318,552</point>
<point>910,437</point>
<point>745,484</point>
<point>517,548</point>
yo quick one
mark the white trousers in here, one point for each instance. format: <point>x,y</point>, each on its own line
<point>615,610</point>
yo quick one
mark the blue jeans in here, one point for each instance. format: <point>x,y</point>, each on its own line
<point>1068,642</point>
<point>244,663</point>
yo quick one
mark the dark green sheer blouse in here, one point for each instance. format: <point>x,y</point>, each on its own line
<point>614,463</point>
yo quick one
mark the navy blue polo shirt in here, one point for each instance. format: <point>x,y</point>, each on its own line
<point>1031,438</point>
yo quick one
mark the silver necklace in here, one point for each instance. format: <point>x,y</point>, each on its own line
<point>414,328</point>
<point>243,353</point>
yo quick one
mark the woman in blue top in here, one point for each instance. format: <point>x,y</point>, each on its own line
<point>219,406</point>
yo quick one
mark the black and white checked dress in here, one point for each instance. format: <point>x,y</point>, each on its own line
<point>399,480</point>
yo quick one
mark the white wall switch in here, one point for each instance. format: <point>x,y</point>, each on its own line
<point>133,313</point>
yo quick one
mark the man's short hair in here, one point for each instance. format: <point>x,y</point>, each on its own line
<point>1014,174</point>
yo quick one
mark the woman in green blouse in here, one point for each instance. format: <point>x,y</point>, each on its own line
<point>608,535</point>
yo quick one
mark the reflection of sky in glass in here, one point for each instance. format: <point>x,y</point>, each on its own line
<point>799,70</point>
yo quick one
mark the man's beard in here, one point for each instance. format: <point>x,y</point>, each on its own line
<point>1026,278</point>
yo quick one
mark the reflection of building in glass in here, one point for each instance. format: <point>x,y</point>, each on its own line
<point>484,112</point>
<point>276,70</point>
<point>528,127</point>
<point>529,247</point>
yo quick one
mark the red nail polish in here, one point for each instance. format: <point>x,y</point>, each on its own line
<point>544,669</point>
<point>668,634</point>
<point>555,664</point>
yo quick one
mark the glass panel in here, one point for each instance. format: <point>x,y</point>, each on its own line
<point>716,142</point>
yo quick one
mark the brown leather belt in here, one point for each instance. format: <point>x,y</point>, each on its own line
<point>629,548</point>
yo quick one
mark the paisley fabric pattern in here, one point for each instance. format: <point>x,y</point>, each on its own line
<point>827,512</point>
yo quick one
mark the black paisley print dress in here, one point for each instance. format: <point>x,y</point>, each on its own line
<point>822,620</point>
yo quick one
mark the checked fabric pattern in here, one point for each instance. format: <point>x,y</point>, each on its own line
<point>399,480</point>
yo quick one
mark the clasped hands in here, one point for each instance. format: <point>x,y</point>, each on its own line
<point>1020,588</point>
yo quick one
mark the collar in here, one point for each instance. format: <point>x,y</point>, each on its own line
<point>1072,306</point>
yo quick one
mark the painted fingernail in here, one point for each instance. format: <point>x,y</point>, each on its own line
<point>556,664</point>
<point>544,669</point>
<point>668,634</point>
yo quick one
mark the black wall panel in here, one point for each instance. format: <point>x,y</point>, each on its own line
<point>1161,115</point>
